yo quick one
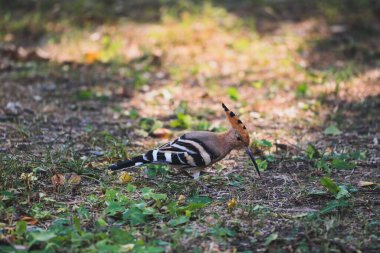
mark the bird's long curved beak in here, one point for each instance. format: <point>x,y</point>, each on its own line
<point>249,152</point>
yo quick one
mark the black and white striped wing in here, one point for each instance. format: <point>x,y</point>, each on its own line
<point>181,152</point>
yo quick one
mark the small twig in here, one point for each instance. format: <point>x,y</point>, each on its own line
<point>342,247</point>
<point>91,178</point>
<point>294,146</point>
<point>309,240</point>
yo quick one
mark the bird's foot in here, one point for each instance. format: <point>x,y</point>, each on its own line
<point>205,187</point>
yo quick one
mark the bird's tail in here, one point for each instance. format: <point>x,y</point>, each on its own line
<point>135,161</point>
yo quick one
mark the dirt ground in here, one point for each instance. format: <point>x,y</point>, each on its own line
<point>75,98</point>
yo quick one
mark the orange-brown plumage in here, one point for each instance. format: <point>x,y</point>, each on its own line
<point>237,124</point>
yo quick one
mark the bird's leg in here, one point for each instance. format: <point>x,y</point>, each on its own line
<point>205,187</point>
<point>187,173</point>
<point>195,177</point>
<point>174,173</point>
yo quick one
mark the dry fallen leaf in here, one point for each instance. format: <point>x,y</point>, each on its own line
<point>100,163</point>
<point>94,165</point>
<point>181,198</point>
<point>231,204</point>
<point>127,247</point>
<point>162,133</point>
<point>73,179</point>
<point>91,57</point>
<point>9,238</point>
<point>58,179</point>
<point>365,183</point>
<point>29,220</point>
<point>125,177</point>
<point>49,108</point>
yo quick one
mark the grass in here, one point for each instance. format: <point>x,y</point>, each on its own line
<point>112,87</point>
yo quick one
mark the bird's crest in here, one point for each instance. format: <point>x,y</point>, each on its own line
<point>237,124</point>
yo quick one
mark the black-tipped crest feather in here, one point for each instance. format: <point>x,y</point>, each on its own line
<point>225,107</point>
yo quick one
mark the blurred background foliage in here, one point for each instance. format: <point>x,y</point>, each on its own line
<point>355,12</point>
<point>37,17</point>
<point>72,25</point>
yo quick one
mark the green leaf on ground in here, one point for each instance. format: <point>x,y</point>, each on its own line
<point>84,95</point>
<point>148,193</point>
<point>190,208</point>
<point>42,236</point>
<point>121,236</point>
<point>312,152</point>
<point>332,130</point>
<point>199,200</point>
<point>263,143</point>
<point>131,188</point>
<point>339,192</point>
<point>272,237</point>
<point>104,246</point>
<point>233,93</point>
<point>333,205</point>
<point>101,222</point>
<point>343,193</point>
<point>178,221</point>
<point>270,158</point>
<point>134,215</point>
<point>262,164</point>
<point>151,249</point>
<point>257,84</point>
<point>149,125</point>
<point>133,114</point>
<point>241,45</point>
<point>322,164</point>
<point>330,185</point>
<point>183,121</point>
<point>21,227</point>
<point>301,90</point>
<point>329,207</point>
<point>114,208</point>
<point>342,165</point>
<point>222,231</point>
<point>358,155</point>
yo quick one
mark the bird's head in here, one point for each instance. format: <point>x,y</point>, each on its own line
<point>240,133</point>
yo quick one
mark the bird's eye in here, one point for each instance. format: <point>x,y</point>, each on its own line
<point>238,138</point>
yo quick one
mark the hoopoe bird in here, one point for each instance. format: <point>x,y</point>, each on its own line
<point>194,151</point>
